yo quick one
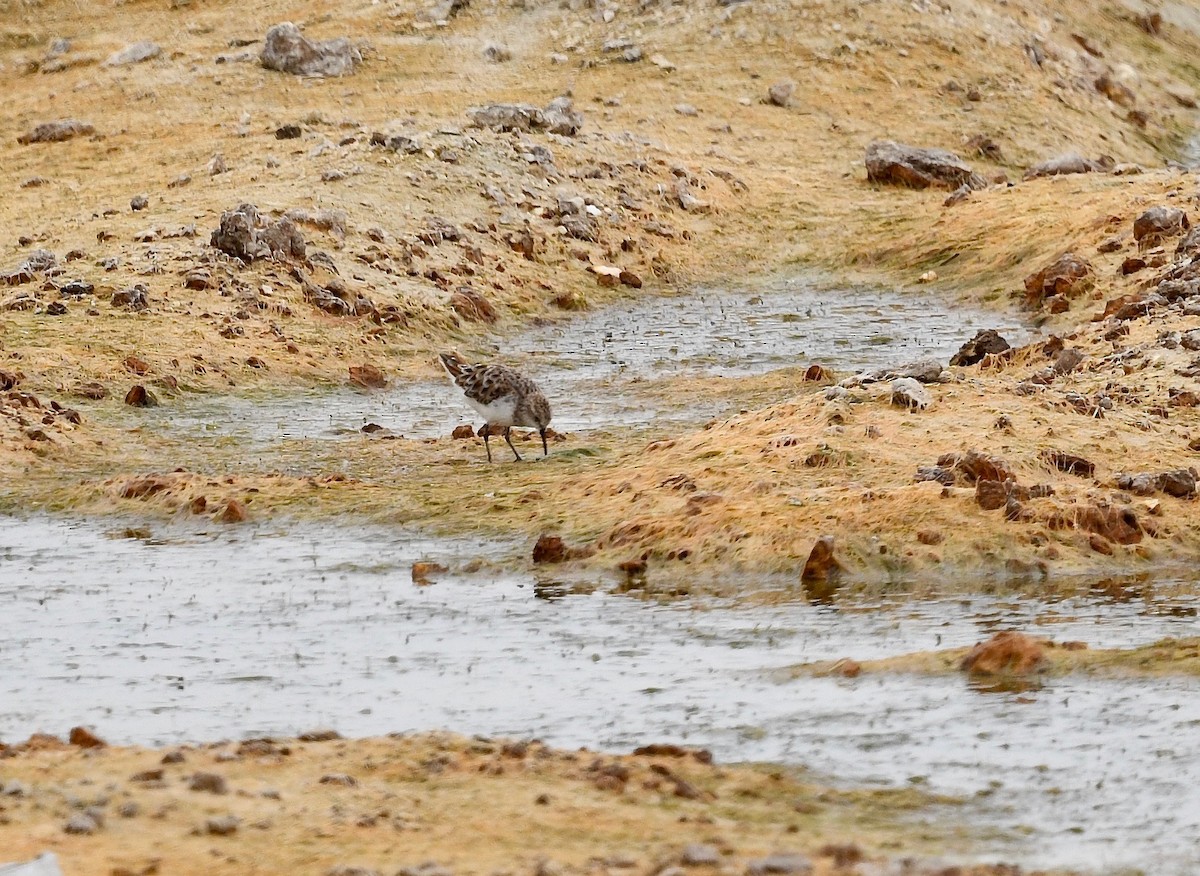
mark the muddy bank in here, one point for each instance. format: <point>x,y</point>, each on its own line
<point>324,805</point>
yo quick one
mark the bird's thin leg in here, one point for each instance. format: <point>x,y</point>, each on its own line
<point>508,438</point>
<point>487,430</point>
<point>545,449</point>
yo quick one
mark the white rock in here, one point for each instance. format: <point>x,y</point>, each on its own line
<point>908,393</point>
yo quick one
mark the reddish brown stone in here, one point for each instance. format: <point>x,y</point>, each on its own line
<point>85,738</point>
<point>463,431</point>
<point>930,537</point>
<point>234,512</point>
<point>470,305</point>
<point>140,397</point>
<point>367,376</point>
<point>136,365</point>
<point>1068,276</point>
<point>991,495</point>
<point>975,466</point>
<point>1118,525</point>
<point>423,572</point>
<point>633,567</point>
<point>1006,653</point>
<point>144,487</point>
<point>821,565</point>
<point>549,549</point>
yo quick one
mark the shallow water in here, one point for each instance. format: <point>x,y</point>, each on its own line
<point>198,635</point>
<point>590,367</point>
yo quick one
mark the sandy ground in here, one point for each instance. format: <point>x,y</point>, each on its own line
<point>446,804</point>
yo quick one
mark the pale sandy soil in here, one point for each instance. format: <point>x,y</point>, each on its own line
<point>462,805</point>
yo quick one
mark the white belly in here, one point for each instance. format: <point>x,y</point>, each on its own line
<point>498,413</point>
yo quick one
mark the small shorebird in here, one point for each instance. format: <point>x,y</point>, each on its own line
<point>502,396</point>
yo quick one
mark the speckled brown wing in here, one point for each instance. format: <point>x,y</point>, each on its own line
<point>488,383</point>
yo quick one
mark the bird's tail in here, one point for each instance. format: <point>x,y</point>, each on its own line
<point>453,363</point>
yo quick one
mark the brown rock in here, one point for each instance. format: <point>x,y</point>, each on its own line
<point>470,305</point>
<point>1132,265</point>
<point>57,131</point>
<point>930,537</point>
<point>1068,163</point>
<point>897,164</point>
<point>845,855</point>
<point>85,738</point>
<point>523,242</point>
<point>140,397</point>
<point>549,549</point>
<point>846,668</point>
<point>991,495</point>
<point>1183,398</point>
<point>1180,483</point>
<point>1117,92</point>
<point>629,278</point>
<point>1069,463</point>
<point>1068,275</point>
<point>574,300</point>
<point>9,379</point>
<point>198,505</point>
<point>138,366</point>
<point>633,568</point>
<point>1157,223</point>
<point>424,572</point>
<point>1118,525</point>
<point>463,431</point>
<point>367,376</point>
<point>1006,653</point>
<point>1100,544</point>
<point>821,565</point>
<point>234,512</point>
<point>211,783</point>
<point>986,341</point>
<point>816,374</point>
<point>975,466</point>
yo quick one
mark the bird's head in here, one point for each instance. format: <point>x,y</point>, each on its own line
<point>540,408</point>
